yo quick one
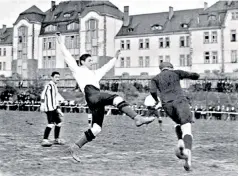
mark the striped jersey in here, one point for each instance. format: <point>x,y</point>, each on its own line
<point>50,96</point>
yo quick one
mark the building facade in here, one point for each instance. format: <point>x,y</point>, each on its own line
<point>202,40</point>
<point>6,51</point>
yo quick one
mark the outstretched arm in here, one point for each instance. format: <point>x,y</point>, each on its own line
<point>67,55</point>
<point>187,75</point>
<point>105,68</point>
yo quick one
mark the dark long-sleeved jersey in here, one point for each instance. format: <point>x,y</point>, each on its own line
<point>168,84</point>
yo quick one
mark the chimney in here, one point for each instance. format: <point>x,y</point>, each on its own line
<point>53,5</point>
<point>170,15</point>
<point>126,16</point>
<point>4,28</point>
<point>205,5</point>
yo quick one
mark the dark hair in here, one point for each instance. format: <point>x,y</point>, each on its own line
<point>84,57</point>
<point>55,73</point>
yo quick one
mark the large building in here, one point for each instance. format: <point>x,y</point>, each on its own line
<point>6,51</point>
<point>202,40</point>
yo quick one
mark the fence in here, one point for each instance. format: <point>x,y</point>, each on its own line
<point>114,111</point>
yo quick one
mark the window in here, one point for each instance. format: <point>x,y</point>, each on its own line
<point>50,28</point>
<point>121,62</point>
<point>49,46</point>
<point>187,41</point>
<point>234,56</point>
<point>214,36</point>
<point>212,17</point>
<point>67,15</point>
<point>122,44</point>
<point>147,43</point>
<point>206,57</point>
<point>160,42</point>
<point>141,44</point>
<point>0,65</point>
<point>127,62</point>
<point>156,27</point>
<point>182,42</point>
<point>72,41</point>
<point>206,37</point>
<point>127,44</point>
<point>94,51</point>
<point>188,61</point>
<point>44,44</point>
<point>141,62</point>
<point>233,36</point>
<point>53,62</point>
<point>130,29</point>
<point>182,60</point>
<point>4,52</point>
<point>214,57</point>
<point>19,54</point>
<point>234,15</point>
<point>72,26</point>
<point>4,66</point>
<point>160,59</point>
<point>91,30</point>
<point>184,25</point>
<point>0,51</point>
<point>147,61</point>
<point>167,58</point>
<point>167,42</point>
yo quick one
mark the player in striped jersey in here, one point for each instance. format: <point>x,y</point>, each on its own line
<point>50,98</point>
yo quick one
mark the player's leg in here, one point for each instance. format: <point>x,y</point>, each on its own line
<point>90,134</point>
<point>50,125</point>
<point>122,105</point>
<point>184,114</point>
<point>58,124</point>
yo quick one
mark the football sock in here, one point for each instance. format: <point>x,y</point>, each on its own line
<point>47,132</point>
<point>179,132</point>
<point>82,141</point>
<point>188,141</point>
<point>57,131</point>
<point>129,111</point>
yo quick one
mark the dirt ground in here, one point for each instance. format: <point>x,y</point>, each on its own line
<point>121,149</point>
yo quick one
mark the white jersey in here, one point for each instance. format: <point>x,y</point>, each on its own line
<point>82,74</point>
<point>149,101</point>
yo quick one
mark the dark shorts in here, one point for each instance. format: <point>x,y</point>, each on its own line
<point>152,112</point>
<point>97,101</point>
<point>53,117</point>
<point>179,111</point>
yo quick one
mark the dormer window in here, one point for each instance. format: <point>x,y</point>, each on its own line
<point>130,29</point>
<point>72,26</point>
<point>67,15</point>
<point>50,28</point>
<point>156,27</point>
<point>212,17</point>
<point>184,25</point>
<point>57,15</point>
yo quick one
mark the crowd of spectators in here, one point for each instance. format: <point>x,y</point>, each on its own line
<point>225,86</point>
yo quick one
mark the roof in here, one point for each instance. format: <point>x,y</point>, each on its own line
<point>56,16</point>
<point>222,5</point>
<point>7,36</point>
<point>104,8</point>
<point>141,24</point>
<point>33,14</point>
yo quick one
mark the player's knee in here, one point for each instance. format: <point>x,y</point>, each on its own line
<point>96,129</point>
<point>186,129</point>
<point>93,132</point>
<point>50,125</point>
<point>119,102</point>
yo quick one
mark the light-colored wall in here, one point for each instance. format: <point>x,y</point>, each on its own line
<point>7,59</point>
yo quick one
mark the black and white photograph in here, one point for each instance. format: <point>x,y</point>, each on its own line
<point>118,88</point>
